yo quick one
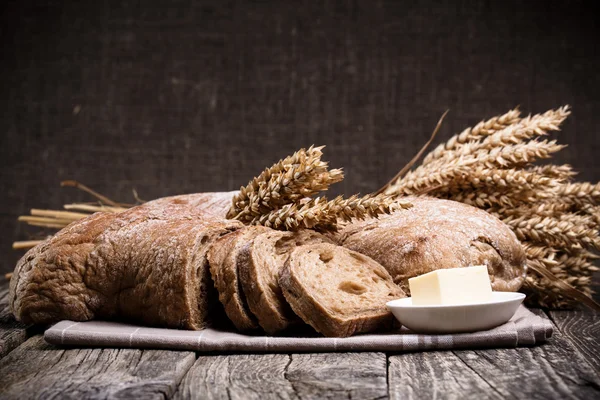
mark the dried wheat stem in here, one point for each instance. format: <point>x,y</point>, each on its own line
<point>562,265</point>
<point>561,172</point>
<point>324,215</point>
<point>533,252</point>
<point>580,194</point>
<point>356,207</point>
<point>579,264</point>
<point>300,175</point>
<point>483,200</point>
<point>593,212</point>
<point>502,202</point>
<point>410,164</point>
<point>41,220</point>
<point>527,128</point>
<point>516,155</point>
<point>415,184</point>
<point>489,198</point>
<point>48,225</point>
<point>578,219</point>
<point>103,199</point>
<point>518,133</point>
<point>541,208</point>
<point>551,292</point>
<point>482,129</point>
<point>553,232</point>
<point>93,208</point>
<point>25,244</point>
<point>513,179</point>
<point>68,215</point>
<point>311,215</point>
<point>506,157</point>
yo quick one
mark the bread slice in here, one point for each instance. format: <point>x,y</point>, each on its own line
<point>223,258</point>
<point>339,292</point>
<point>259,268</point>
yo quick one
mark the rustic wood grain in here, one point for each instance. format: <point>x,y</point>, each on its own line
<point>12,333</point>
<point>435,375</point>
<point>338,375</point>
<point>553,370</point>
<point>282,376</point>
<point>39,370</point>
<point>246,376</point>
<point>582,328</point>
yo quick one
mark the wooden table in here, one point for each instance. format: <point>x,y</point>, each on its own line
<point>568,366</point>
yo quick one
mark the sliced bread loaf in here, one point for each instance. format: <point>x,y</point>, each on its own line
<point>146,264</point>
<point>259,267</point>
<point>223,258</point>
<point>339,292</point>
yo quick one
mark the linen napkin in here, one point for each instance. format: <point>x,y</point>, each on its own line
<point>523,329</point>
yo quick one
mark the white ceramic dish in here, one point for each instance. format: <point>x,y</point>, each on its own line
<point>456,318</point>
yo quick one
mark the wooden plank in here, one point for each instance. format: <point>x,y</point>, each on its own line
<point>435,375</point>
<point>339,375</point>
<point>553,370</point>
<point>281,376</point>
<point>12,333</point>
<point>40,370</point>
<point>582,328</point>
<point>244,376</point>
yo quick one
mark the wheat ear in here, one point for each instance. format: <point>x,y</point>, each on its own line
<point>323,215</point>
<point>482,129</point>
<point>300,175</point>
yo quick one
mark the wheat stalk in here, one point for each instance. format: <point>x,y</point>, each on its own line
<point>323,215</point>
<point>554,232</point>
<point>561,172</point>
<point>58,219</point>
<point>520,132</point>
<point>504,157</point>
<point>25,244</point>
<point>581,264</point>
<point>482,129</point>
<point>513,179</point>
<point>490,167</point>
<point>579,194</point>
<point>544,208</point>
<point>300,175</point>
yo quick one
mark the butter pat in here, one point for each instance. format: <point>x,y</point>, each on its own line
<point>451,286</point>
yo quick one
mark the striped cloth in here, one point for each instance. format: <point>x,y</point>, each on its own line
<point>523,329</point>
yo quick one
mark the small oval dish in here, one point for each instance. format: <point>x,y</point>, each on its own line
<point>456,318</point>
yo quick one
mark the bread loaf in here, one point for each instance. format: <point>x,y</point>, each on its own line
<point>214,203</point>
<point>259,268</point>
<point>146,264</point>
<point>437,234</point>
<point>224,258</point>
<point>339,292</point>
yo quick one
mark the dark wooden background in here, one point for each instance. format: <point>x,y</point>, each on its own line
<point>188,96</point>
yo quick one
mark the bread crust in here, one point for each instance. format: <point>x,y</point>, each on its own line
<point>437,234</point>
<point>146,264</point>
<point>224,259</point>
<point>213,203</point>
